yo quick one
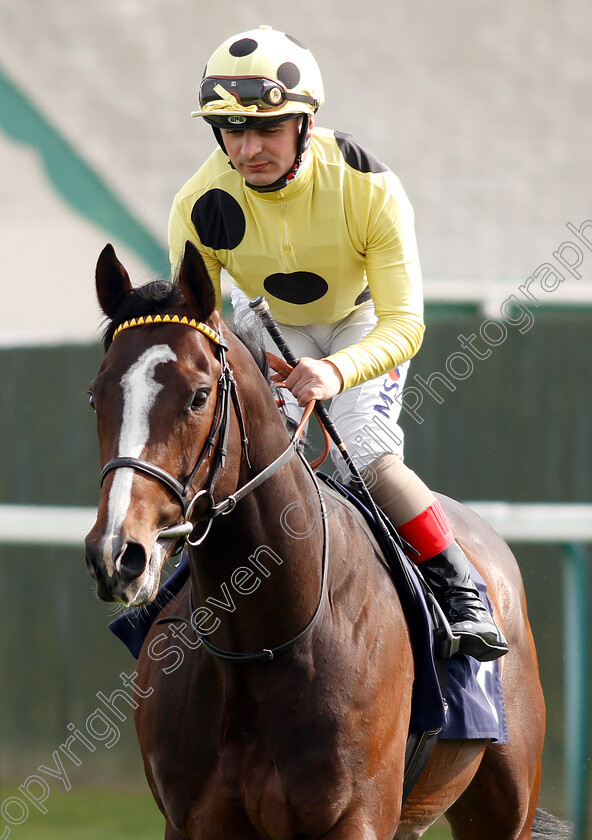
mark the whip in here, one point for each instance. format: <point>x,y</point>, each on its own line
<point>261,307</point>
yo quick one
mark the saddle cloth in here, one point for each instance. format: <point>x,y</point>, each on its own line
<point>473,705</point>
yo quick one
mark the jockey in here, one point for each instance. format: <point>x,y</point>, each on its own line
<point>308,218</point>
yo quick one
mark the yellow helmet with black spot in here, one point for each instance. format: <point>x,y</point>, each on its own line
<point>257,78</point>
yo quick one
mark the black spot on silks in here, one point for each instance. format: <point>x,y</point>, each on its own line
<point>356,155</point>
<point>297,287</point>
<point>219,220</point>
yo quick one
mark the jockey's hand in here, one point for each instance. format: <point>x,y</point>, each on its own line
<point>312,379</point>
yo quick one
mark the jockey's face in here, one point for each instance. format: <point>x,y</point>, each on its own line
<point>263,155</point>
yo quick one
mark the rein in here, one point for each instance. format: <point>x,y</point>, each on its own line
<point>266,654</point>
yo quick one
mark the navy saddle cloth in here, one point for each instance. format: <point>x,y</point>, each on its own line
<point>473,706</point>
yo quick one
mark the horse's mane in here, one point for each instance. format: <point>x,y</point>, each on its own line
<point>160,296</point>
<point>250,332</point>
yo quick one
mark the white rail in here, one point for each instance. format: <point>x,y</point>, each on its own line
<point>45,525</point>
<point>538,522</point>
<point>515,522</point>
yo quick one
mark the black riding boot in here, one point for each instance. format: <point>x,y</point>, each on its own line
<point>449,578</point>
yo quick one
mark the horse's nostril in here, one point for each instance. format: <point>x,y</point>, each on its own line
<point>91,564</point>
<point>133,561</point>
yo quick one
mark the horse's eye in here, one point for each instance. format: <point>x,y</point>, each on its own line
<point>199,398</point>
<point>91,400</point>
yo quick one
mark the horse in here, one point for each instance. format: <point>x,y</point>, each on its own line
<point>278,705</point>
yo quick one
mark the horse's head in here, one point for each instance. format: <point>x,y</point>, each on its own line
<point>156,400</point>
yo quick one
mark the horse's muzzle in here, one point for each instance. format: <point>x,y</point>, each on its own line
<point>117,570</point>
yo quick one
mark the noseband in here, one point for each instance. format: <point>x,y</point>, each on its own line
<point>216,443</point>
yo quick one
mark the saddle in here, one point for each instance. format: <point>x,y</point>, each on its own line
<point>472,701</point>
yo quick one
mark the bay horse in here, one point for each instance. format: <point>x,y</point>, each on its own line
<point>276,702</point>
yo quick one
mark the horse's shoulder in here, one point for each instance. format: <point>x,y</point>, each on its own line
<point>344,512</point>
<point>357,559</point>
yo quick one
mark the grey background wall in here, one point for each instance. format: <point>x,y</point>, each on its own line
<point>481,109</point>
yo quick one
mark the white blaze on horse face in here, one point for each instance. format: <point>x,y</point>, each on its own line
<point>139,395</point>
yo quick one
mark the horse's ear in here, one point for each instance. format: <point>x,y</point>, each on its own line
<point>195,283</point>
<point>112,281</point>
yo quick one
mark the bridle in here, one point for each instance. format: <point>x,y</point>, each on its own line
<point>216,446</point>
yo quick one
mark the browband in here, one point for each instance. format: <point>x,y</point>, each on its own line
<point>172,319</point>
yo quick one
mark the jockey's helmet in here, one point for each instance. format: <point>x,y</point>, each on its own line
<point>258,78</point>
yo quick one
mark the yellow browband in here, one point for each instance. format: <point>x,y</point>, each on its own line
<point>168,319</point>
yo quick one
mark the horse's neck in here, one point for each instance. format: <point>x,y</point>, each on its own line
<point>284,510</point>
<point>260,568</point>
